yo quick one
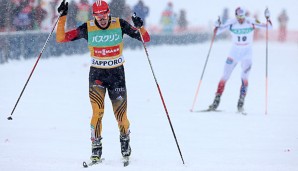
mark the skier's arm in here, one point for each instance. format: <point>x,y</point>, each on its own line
<point>260,25</point>
<point>223,27</point>
<point>263,25</point>
<point>133,32</point>
<point>61,35</point>
<point>78,33</point>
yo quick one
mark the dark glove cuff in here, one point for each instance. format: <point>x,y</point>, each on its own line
<point>138,25</point>
<point>64,13</point>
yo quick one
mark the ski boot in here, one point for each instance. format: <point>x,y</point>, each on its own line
<point>215,103</point>
<point>240,104</point>
<point>125,147</point>
<point>96,150</point>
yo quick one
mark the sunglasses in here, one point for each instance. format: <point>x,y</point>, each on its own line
<point>101,15</point>
<point>240,16</point>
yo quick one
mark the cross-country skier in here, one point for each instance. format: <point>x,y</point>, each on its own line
<point>104,35</point>
<point>242,30</point>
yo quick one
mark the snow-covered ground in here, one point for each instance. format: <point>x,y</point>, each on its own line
<point>50,127</point>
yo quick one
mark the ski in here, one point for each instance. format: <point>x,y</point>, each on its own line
<point>208,110</point>
<point>125,161</point>
<point>86,165</point>
<point>242,112</point>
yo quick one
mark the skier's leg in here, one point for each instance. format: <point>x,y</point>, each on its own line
<point>118,95</point>
<point>119,101</point>
<point>246,67</point>
<point>96,94</point>
<point>119,104</point>
<point>228,69</point>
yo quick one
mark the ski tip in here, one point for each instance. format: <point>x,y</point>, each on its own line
<point>242,112</point>
<point>85,165</point>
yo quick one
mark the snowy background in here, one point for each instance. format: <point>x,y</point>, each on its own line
<point>50,130</point>
<point>202,14</point>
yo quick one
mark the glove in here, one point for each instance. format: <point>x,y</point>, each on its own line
<point>267,13</point>
<point>137,21</point>
<point>217,23</point>
<point>63,8</point>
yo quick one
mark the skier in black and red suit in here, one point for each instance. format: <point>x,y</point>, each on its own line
<point>104,35</point>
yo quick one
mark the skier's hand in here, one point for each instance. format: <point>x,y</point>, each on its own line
<point>217,22</point>
<point>63,8</point>
<point>137,21</point>
<point>267,13</point>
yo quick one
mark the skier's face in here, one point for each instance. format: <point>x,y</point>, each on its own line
<point>240,18</point>
<point>102,18</point>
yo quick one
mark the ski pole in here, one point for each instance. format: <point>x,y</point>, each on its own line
<point>162,99</point>
<point>197,91</point>
<point>39,56</point>
<point>266,94</point>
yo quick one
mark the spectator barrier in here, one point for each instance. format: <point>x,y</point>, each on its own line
<point>26,45</point>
